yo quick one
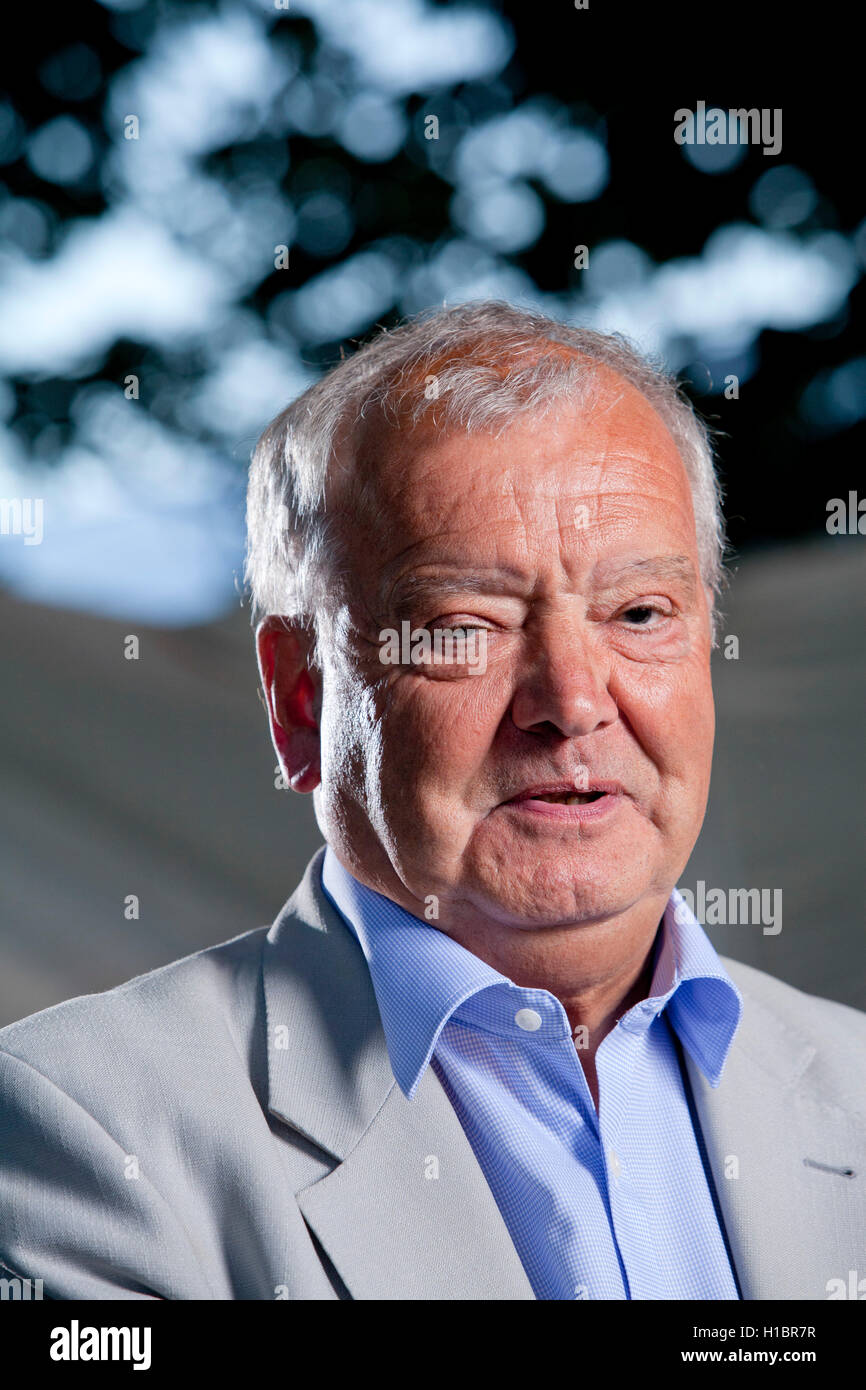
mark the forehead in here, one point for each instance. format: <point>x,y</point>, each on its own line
<point>612,451</point>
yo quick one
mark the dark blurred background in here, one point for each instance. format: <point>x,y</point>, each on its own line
<point>200,205</point>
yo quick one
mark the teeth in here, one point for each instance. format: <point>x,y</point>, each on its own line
<point>570,799</point>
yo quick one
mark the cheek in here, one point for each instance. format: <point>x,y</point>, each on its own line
<point>449,721</point>
<point>671,712</point>
<point>438,734</point>
<point>351,733</point>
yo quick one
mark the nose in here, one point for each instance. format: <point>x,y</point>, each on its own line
<point>563,682</point>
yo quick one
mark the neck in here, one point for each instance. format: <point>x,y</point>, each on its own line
<point>597,970</point>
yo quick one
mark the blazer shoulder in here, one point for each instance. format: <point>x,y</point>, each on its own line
<point>794,1007</point>
<point>202,1002</point>
<point>825,1041</point>
<point>144,1073</point>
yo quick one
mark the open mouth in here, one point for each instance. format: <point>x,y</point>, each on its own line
<point>569,798</point>
<point>601,795</point>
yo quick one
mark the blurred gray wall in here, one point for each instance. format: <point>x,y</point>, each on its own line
<point>156,777</point>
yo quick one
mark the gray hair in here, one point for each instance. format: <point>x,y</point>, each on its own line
<point>475,366</point>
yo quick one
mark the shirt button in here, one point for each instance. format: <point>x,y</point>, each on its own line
<point>615,1165</point>
<point>528,1020</point>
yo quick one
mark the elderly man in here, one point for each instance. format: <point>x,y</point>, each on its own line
<point>485,1051</point>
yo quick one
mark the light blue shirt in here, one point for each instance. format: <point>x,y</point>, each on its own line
<point>613,1205</point>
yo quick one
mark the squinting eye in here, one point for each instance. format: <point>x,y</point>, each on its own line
<point>442,626</point>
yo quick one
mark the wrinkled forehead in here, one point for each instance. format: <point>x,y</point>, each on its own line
<point>419,400</point>
<point>409,453</point>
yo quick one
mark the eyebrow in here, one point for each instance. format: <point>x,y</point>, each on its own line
<point>413,586</point>
<point>677,567</point>
<point>501,580</point>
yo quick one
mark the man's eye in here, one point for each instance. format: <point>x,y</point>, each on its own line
<point>443,625</point>
<point>640,614</point>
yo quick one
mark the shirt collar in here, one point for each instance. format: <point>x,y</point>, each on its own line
<point>689,981</point>
<point>421,977</point>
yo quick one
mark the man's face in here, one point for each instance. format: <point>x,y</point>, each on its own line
<point>570,540</point>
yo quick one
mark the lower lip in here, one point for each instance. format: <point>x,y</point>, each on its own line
<point>557,810</point>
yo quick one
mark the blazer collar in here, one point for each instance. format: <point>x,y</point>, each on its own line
<point>407,1212</point>
<point>328,1067</point>
<point>779,1154</point>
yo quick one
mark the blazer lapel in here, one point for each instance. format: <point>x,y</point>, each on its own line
<point>407,1212</point>
<point>781,1160</point>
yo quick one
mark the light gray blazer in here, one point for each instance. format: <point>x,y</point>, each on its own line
<point>229,1127</point>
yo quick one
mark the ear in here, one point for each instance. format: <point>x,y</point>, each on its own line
<point>292,687</point>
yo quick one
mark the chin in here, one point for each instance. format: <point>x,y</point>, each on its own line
<point>547,897</point>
